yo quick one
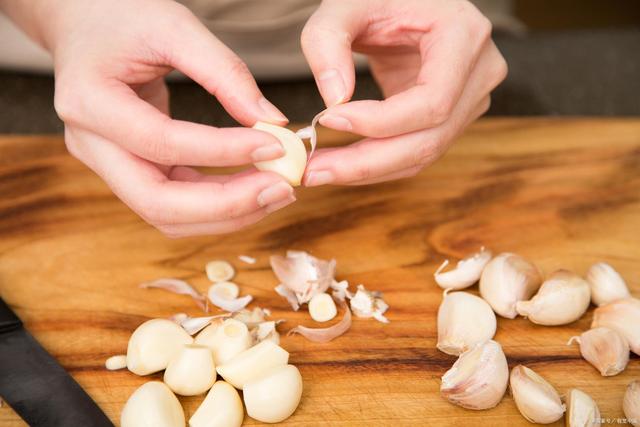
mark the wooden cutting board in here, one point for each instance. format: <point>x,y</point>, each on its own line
<point>562,192</point>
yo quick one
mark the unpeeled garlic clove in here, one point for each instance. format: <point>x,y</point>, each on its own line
<point>274,396</point>
<point>152,405</point>
<point>192,371</point>
<point>466,273</point>
<point>563,298</point>
<point>507,279</point>
<point>221,408</point>
<point>153,344</point>
<point>606,284</point>
<point>252,363</point>
<point>225,340</point>
<point>478,379</point>
<point>582,410</point>
<point>464,320</point>
<point>606,349</point>
<point>322,308</point>
<point>290,166</point>
<point>535,398</point>
<point>623,316</point>
<point>631,403</point>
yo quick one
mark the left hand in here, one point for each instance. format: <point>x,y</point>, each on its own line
<point>435,63</point>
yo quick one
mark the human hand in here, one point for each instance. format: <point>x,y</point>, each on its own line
<point>435,63</point>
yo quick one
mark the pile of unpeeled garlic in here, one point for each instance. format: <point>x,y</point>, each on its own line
<point>510,286</point>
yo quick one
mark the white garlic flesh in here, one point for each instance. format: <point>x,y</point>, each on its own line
<point>291,166</point>
<point>153,344</point>
<point>466,273</point>
<point>582,410</point>
<point>563,298</point>
<point>152,405</point>
<point>252,363</point>
<point>507,279</point>
<point>631,403</point>
<point>225,340</point>
<point>116,362</point>
<point>219,271</point>
<point>606,349</point>
<point>606,284</point>
<point>322,308</point>
<point>478,379</point>
<point>536,399</point>
<point>622,315</point>
<point>221,408</point>
<point>192,371</point>
<point>274,396</point>
<point>227,290</point>
<point>464,320</point>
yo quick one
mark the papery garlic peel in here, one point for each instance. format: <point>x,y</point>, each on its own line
<point>606,284</point>
<point>623,316</point>
<point>221,408</point>
<point>252,363</point>
<point>292,165</point>
<point>274,396</point>
<point>631,403</point>
<point>466,273</point>
<point>536,399</point>
<point>606,349</point>
<point>192,371</point>
<point>152,405</point>
<point>582,410</point>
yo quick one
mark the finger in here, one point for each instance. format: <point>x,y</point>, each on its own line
<point>211,228</point>
<point>326,42</point>
<point>405,173</point>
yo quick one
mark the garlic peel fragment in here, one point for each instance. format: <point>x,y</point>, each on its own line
<point>116,362</point>
<point>193,325</point>
<point>247,259</point>
<point>623,316</point>
<point>606,349</point>
<point>536,399</point>
<point>291,166</point>
<point>310,133</point>
<point>368,304</point>
<point>631,403</point>
<point>606,284</point>
<point>303,273</point>
<point>323,335</point>
<point>582,410</point>
<point>289,295</point>
<point>222,302</point>
<point>177,286</point>
<point>466,273</point>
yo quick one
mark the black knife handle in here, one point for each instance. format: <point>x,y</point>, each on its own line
<point>8,319</point>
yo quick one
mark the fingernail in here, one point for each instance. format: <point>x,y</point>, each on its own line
<point>335,122</point>
<point>268,152</point>
<point>317,178</point>
<point>272,111</point>
<point>281,204</point>
<point>274,193</point>
<point>332,87</point>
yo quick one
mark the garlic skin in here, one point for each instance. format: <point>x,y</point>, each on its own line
<point>221,408</point>
<point>563,298</point>
<point>464,320</point>
<point>322,308</point>
<point>191,371</point>
<point>290,166</point>
<point>252,363</point>
<point>606,349</point>
<point>478,379</point>
<point>466,273</point>
<point>623,316</point>
<point>225,340</point>
<point>631,403</point>
<point>535,398</point>
<point>507,279</point>
<point>606,284</point>
<point>152,405</point>
<point>273,397</point>
<point>582,410</point>
<point>153,344</point>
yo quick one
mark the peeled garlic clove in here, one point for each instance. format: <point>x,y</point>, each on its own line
<point>291,166</point>
<point>322,308</point>
<point>623,316</point>
<point>152,405</point>
<point>507,279</point>
<point>219,271</point>
<point>228,290</point>
<point>153,344</point>
<point>535,398</point>
<point>478,379</point>
<point>631,403</point>
<point>466,273</point>
<point>252,363</point>
<point>582,410</point>
<point>273,397</point>
<point>563,298</point>
<point>116,362</point>
<point>464,320</point>
<point>606,349</point>
<point>225,340</point>
<point>221,408</point>
<point>192,371</point>
<point>606,284</point>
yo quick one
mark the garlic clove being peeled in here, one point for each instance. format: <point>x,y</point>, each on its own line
<point>152,405</point>
<point>290,166</point>
<point>582,410</point>
<point>153,344</point>
<point>624,316</point>
<point>631,403</point>
<point>464,320</point>
<point>606,349</point>
<point>252,363</point>
<point>274,396</point>
<point>507,279</point>
<point>606,284</point>
<point>466,273</point>
<point>563,298</point>
<point>535,398</point>
<point>322,308</point>
<point>226,340</point>
<point>478,379</point>
<point>191,371</point>
<point>221,408</point>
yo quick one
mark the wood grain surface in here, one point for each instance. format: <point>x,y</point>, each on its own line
<point>564,193</point>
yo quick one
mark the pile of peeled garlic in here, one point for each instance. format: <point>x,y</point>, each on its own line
<point>509,286</point>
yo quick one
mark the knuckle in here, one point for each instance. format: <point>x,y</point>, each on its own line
<point>160,145</point>
<point>314,34</point>
<point>441,111</point>
<point>237,67</point>
<point>424,154</point>
<point>483,27</point>
<point>502,69</point>
<point>65,102</point>
<point>486,104</point>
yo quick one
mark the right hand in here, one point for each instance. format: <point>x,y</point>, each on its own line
<point>111,57</point>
